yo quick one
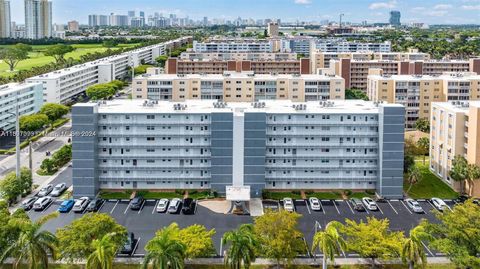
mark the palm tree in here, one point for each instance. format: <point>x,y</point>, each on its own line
<point>413,251</point>
<point>242,247</point>
<point>33,244</point>
<point>105,249</point>
<point>164,251</point>
<point>414,176</point>
<point>329,242</point>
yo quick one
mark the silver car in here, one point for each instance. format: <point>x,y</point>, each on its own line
<point>162,205</point>
<point>414,206</point>
<point>45,190</point>
<point>288,204</point>
<point>439,204</point>
<point>59,189</point>
<point>41,203</point>
<point>315,204</point>
<point>81,204</point>
<point>174,205</point>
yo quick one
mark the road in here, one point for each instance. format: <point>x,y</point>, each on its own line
<point>51,142</point>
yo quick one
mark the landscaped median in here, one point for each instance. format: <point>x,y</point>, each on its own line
<point>325,195</point>
<point>194,194</point>
<point>429,185</point>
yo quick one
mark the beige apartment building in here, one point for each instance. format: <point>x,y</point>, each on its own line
<point>454,130</point>
<point>238,87</point>
<point>417,92</point>
<point>355,72</point>
<point>320,59</point>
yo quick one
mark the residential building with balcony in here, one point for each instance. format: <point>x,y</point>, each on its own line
<point>454,130</point>
<point>238,87</point>
<point>27,96</point>
<point>205,144</point>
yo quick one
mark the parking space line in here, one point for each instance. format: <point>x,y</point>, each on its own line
<point>429,251</point>
<point>111,211</point>
<point>101,205</point>
<point>379,209</point>
<point>128,206</point>
<point>323,208</point>
<point>366,209</point>
<point>406,207</point>
<point>156,204</point>
<point>136,245</point>
<point>195,210</point>
<point>308,207</point>
<point>394,210</point>
<point>46,207</point>
<point>353,212</point>
<point>141,207</point>
<point>432,205</point>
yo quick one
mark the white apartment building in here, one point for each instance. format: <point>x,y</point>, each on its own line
<point>233,46</point>
<point>27,96</point>
<point>63,86</point>
<point>38,19</point>
<point>329,45</point>
<point>200,144</point>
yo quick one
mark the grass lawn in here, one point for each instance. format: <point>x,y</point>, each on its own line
<point>200,195</point>
<point>115,195</point>
<point>325,195</point>
<point>280,195</point>
<point>37,58</point>
<point>430,185</point>
<point>159,195</point>
<point>360,195</point>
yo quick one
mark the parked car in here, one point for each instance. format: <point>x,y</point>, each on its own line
<point>461,199</point>
<point>94,205</point>
<point>58,189</point>
<point>288,204</point>
<point>188,206</point>
<point>476,201</point>
<point>174,205</point>
<point>369,203</point>
<point>439,204</point>
<point>315,204</point>
<point>414,206</point>
<point>136,203</point>
<point>28,204</point>
<point>129,245</point>
<point>357,204</point>
<point>162,205</point>
<point>45,190</point>
<point>41,203</point>
<point>66,206</point>
<point>81,204</point>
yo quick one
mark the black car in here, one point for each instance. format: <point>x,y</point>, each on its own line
<point>136,203</point>
<point>129,245</point>
<point>188,206</point>
<point>28,204</point>
<point>461,199</point>
<point>94,205</point>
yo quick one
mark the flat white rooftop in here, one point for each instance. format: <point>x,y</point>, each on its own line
<point>209,106</point>
<point>13,87</point>
<point>457,106</point>
<point>461,76</point>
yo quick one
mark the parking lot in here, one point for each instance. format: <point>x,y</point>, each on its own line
<point>146,221</point>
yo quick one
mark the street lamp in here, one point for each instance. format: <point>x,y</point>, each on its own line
<point>17,138</point>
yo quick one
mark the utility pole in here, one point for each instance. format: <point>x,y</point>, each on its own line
<point>30,162</point>
<point>17,139</point>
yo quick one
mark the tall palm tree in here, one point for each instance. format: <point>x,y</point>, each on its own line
<point>164,251</point>
<point>242,247</point>
<point>413,251</point>
<point>414,176</point>
<point>33,244</point>
<point>105,249</point>
<point>329,242</point>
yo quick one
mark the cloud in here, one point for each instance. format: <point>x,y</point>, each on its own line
<point>471,7</point>
<point>436,13</point>
<point>442,7</point>
<point>418,9</point>
<point>303,2</point>
<point>379,5</point>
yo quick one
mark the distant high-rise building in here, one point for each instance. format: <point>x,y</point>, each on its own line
<point>97,20</point>
<point>38,19</point>
<point>118,20</point>
<point>73,26</point>
<point>273,29</point>
<point>395,18</point>
<point>142,14</point>
<point>5,23</point>
<point>205,21</point>
<point>131,13</point>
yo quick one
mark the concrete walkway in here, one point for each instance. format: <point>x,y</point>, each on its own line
<point>256,207</point>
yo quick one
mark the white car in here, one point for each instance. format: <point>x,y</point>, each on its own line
<point>439,204</point>
<point>288,204</point>
<point>59,189</point>
<point>45,190</point>
<point>414,206</point>
<point>162,205</point>
<point>315,204</point>
<point>369,203</point>
<point>174,205</point>
<point>81,204</point>
<point>41,203</point>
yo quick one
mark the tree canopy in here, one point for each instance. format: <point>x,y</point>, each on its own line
<point>11,187</point>
<point>352,94</point>
<point>33,122</point>
<point>54,111</point>
<point>58,52</point>
<point>423,125</point>
<point>13,55</point>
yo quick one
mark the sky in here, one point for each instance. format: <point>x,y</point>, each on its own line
<point>426,11</point>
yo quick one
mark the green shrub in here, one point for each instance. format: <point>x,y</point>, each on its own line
<point>370,192</point>
<point>192,192</point>
<point>347,192</point>
<point>180,192</point>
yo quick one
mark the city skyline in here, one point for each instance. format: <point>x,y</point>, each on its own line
<point>429,11</point>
